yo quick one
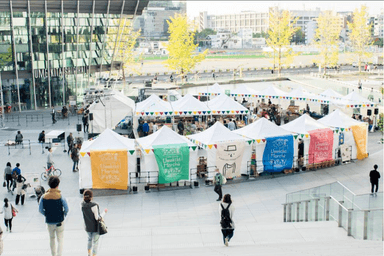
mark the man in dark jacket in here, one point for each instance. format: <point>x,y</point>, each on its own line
<point>70,142</point>
<point>374,175</point>
<point>42,137</point>
<point>55,208</point>
<point>85,123</point>
<point>75,157</point>
<point>180,127</point>
<point>19,138</point>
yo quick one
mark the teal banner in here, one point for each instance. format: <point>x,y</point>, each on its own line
<point>173,162</point>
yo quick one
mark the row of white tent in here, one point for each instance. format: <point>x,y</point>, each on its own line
<point>206,143</point>
<point>109,111</point>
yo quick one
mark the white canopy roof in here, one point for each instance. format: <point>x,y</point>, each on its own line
<point>272,91</point>
<point>188,103</point>
<point>243,90</point>
<point>108,140</point>
<point>329,93</point>
<point>261,129</point>
<point>301,93</point>
<point>214,89</point>
<point>225,103</point>
<point>163,136</point>
<point>339,119</point>
<point>303,125</point>
<point>215,134</point>
<point>53,134</point>
<point>110,110</point>
<point>153,105</point>
<point>355,98</point>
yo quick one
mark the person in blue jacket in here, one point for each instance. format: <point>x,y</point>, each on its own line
<point>145,128</point>
<point>55,208</point>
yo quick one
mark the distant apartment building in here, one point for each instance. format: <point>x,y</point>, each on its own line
<point>153,22</point>
<point>378,26</point>
<point>310,31</point>
<point>255,21</point>
<point>304,16</point>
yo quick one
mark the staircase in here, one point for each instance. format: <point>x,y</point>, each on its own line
<point>360,215</point>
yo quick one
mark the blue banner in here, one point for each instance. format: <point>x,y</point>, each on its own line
<point>278,153</point>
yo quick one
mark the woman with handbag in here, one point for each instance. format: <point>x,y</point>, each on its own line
<point>226,210</point>
<point>92,216</point>
<point>8,176</point>
<point>20,189</point>
<point>9,212</point>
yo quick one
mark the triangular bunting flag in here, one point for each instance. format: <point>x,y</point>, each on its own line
<point>215,146</point>
<point>194,148</point>
<point>89,153</point>
<point>302,135</point>
<point>147,151</point>
<point>82,154</point>
<point>258,141</point>
<point>249,142</point>
<point>263,140</point>
<point>210,146</point>
<point>131,152</point>
<point>295,136</point>
<point>306,135</point>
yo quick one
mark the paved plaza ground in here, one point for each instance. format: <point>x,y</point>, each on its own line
<point>186,221</point>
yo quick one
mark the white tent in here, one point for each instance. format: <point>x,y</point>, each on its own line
<point>243,91</point>
<point>355,98</point>
<point>153,106</point>
<point>258,131</point>
<point>215,89</point>
<point>223,104</point>
<point>189,105</point>
<point>163,136</point>
<point>302,126</point>
<point>108,111</point>
<point>107,140</point>
<point>219,134</point>
<point>301,94</point>
<point>339,120</point>
<point>329,93</point>
<point>272,91</point>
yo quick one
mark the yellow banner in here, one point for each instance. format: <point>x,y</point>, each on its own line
<point>360,136</point>
<point>109,169</point>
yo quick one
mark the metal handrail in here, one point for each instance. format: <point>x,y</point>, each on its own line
<point>345,187</point>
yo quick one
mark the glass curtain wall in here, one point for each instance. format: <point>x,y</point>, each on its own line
<point>67,50</point>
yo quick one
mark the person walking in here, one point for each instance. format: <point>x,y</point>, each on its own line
<point>226,210</point>
<point>374,176</point>
<point>218,182</point>
<point>8,176</point>
<point>85,123</point>
<point>15,173</point>
<point>91,215</point>
<point>231,125</point>
<point>145,128</point>
<point>53,114</point>
<point>19,138</point>
<point>20,189</point>
<point>49,160</point>
<point>42,137</point>
<point>180,127</point>
<point>55,208</point>
<point>70,142</point>
<point>8,215</point>
<point>154,127</point>
<point>75,157</point>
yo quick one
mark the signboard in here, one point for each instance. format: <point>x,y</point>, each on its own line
<point>58,72</point>
<point>109,169</point>
<point>360,136</point>
<point>320,145</point>
<point>32,179</point>
<point>345,153</point>
<point>227,92</point>
<point>173,162</point>
<point>278,153</point>
<point>228,158</point>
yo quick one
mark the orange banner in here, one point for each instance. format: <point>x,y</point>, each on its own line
<point>360,136</point>
<point>109,169</point>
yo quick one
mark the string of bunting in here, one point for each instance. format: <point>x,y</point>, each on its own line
<point>148,151</point>
<point>361,105</point>
<point>131,152</point>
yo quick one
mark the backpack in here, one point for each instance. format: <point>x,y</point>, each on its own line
<point>225,217</point>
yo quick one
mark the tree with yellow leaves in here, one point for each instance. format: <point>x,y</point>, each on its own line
<point>327,39</point>
<point>182,57</point>
<point>280,33</point>
<point>124,45</point>
<point>360,34</point>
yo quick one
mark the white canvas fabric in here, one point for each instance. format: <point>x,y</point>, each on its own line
<point>163,136</point>
<point>355,97</point>
<point>189,103</point>
<point>338,119</point>
<point>261,129</point>
<point>109,111</point>
<point>303,125</point>
<point>301,93</point>
<point>329,93</point>
<point>215,134</point>
<point>214,89</point>
<point>153,104</point>
<point>225,103</point>
<point>242,89</point>
<point>272,91</point>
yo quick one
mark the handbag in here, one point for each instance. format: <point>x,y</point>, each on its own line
<point>14,211</point>
<point>101,227</point>
<point>224,180</point>
<point>4,184</point>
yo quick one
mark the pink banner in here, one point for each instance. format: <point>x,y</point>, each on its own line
<point>320,145</point>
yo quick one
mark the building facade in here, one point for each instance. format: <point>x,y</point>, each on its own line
<point>51,50</point>
<point>153,22</point>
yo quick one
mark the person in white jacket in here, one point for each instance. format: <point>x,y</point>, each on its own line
<point>7,210</point>
<point>227,223</point>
